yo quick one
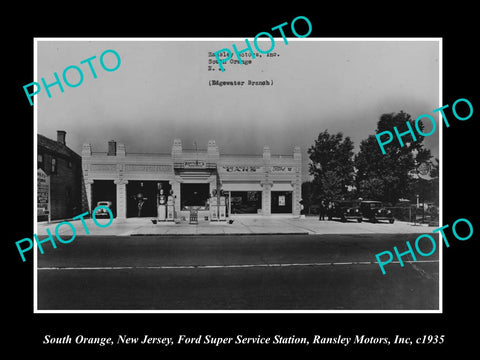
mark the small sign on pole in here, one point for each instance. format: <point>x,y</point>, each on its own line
<point>43,195</point>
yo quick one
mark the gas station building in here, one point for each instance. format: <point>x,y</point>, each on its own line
<point>263,184</point>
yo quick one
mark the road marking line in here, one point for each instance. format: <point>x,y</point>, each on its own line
<point>422,272</point>
<point>170,267</point>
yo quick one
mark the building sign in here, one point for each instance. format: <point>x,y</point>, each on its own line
<point>147,168</point>
<point>421,172</point>
<point>424,169</point>
<point>281,200</point>
<point>43,193</point>
<point>236,168</point>
<point>283,169</point>
<point>194,164</point>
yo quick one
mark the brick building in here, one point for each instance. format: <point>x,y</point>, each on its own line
<point>64,167</point>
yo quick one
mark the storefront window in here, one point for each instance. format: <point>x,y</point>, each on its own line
<point>245,202</point>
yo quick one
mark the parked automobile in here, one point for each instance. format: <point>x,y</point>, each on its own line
<point>345,210</point>
<point>374,211</point>
<point>313,209</point>
<point>103,212</point>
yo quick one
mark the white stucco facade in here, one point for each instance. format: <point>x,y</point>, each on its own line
<point>265,184</point>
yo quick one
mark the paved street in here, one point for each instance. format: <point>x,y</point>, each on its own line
<point>235,272</point>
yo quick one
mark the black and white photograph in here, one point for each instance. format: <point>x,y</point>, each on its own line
<point>214,179</point>
<point>260,187</point>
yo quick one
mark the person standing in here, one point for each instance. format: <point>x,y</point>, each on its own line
<point>330,210</point>
<point>322,210</point>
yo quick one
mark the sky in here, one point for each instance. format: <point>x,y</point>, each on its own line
<point>161,92</point>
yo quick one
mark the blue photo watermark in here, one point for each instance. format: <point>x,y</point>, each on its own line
<point>57,235</point>
<point>69,69</point>
<point>227,54</point>
<point>429,238</point>
<point>410,131</point>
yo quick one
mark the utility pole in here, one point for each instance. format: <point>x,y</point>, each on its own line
<point>196,152</point>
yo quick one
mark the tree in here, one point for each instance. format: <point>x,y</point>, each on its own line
<point>309,195</point>
<point>388,177</point>
<point>331,166</point>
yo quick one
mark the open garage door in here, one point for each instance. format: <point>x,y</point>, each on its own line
<point>104,190</point>
<point>142,197</point>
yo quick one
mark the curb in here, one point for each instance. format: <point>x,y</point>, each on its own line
<point>225,234</point>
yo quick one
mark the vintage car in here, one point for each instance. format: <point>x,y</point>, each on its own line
<point>345,210</point>
<point>374,211</point>
<point>102,212</point>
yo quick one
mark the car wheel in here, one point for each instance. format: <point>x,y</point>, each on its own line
<point>391,221</point>
<point>359,220</point>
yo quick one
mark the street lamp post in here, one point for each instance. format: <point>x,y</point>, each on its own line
<point>416,208</point>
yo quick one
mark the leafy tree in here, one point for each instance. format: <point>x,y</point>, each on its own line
<point>331,166</point>
<point>388,177</point>
<point>309,194</point>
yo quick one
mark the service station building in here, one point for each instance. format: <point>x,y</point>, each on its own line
<point>263,184</point>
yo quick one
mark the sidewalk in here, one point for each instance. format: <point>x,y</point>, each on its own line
<point>242,225</point>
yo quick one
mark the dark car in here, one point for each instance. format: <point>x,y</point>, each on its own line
<point>345,210</point>
<point>374,211</point>
<point>102,212</point>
